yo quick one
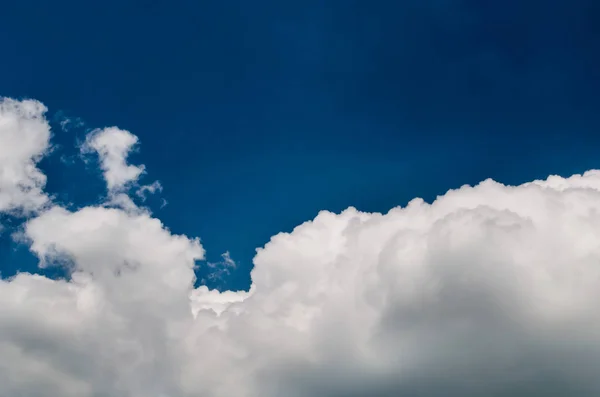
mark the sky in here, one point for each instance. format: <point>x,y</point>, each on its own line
<point>235,122</point>
<point>256,115</point>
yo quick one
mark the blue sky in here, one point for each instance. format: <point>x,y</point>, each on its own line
<point>256,115</point>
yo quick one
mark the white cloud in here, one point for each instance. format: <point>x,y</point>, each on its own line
<point>113,146</point>
<point>149,189</point>
<point>24,140</point>
<point>66,123</point>
<point>490,290</point>
<point>221,268</point>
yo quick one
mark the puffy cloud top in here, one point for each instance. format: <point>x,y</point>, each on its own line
<point>490,290</point>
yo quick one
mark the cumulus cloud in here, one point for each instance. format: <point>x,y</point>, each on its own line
<point>490,290</point>
<point>113,146</point>
<point>24,140</point>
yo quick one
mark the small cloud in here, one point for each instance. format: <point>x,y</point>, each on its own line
<point>68,124</point>
<point>113,146</point>
<point>67,160</point>
<point>221,268</point>
<point>24,141</point>
<point>149,189</point>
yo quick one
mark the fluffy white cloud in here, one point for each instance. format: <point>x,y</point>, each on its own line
<point>490,290</point>
<point>24,139</point>
<point>113,146</point>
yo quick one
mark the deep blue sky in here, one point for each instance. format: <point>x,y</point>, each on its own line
<point>255,115</point>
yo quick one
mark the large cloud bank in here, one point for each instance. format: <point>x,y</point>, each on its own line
<point>491,290</point>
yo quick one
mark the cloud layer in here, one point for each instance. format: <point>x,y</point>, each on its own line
<point>490,290</point>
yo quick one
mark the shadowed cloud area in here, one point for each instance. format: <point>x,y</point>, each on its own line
<point>217,200</point>
<point>256,115</point>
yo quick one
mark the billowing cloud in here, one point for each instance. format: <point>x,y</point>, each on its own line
<point>490,290</point>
